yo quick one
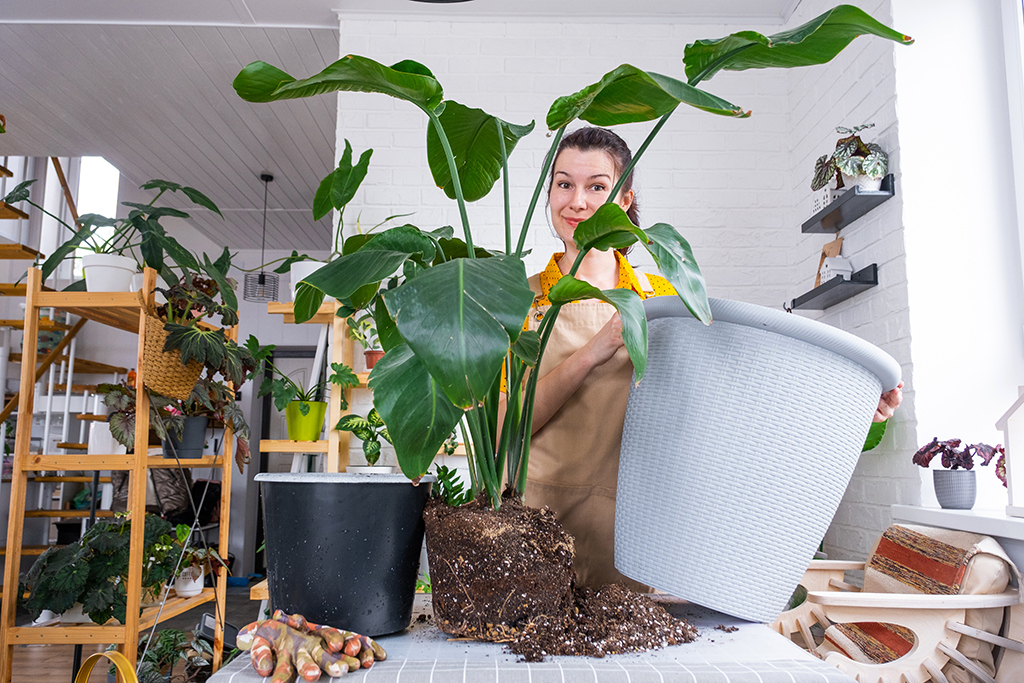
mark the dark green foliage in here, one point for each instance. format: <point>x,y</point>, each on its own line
<point>94,570</point>
<point>450,487</point>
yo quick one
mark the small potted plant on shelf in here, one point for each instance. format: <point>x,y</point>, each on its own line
<point>363,330</point>
<point>93,572</point>
<point>195,562</point>
<point>956,485</point>
<point>111,263</point>
<point>853,163</point>
<point>304,410</point>
<point>180,346</point>
<point>370,430</point>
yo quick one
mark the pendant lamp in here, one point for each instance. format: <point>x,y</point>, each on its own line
<point>261,287</point>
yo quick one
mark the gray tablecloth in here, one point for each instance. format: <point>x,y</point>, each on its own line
<point>751,654</point>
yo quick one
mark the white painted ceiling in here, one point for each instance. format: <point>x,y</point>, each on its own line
<point>146,85</point>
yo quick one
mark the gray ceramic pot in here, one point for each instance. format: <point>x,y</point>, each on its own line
<point>955,489</point>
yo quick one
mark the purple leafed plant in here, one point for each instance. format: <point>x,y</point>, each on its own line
<point>954,457</point>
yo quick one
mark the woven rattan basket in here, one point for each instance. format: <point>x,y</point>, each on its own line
<point>164,372</point>
<point>737,448</point>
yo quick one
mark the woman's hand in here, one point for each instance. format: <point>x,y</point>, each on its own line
<point>606,342</point>
<point>888,404</point>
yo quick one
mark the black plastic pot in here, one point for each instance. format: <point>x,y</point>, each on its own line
<point>344,549</point>
<point>192,439</point>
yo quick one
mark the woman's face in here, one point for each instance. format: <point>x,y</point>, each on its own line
<point>581,182</point>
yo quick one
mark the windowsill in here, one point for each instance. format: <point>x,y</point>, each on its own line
<point>989,522</point>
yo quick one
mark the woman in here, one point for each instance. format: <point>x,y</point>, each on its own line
<point>585,373</point>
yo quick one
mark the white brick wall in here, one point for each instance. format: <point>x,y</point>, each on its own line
<point>858,87</point>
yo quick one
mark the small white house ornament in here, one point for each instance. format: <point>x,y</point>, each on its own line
<point>836,266</point>
<point>1012,426</point>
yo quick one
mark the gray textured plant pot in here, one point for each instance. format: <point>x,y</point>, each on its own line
<point>955,489</point>
<point>344,549</point>
<point>193,438</point>
<point>737,447</point>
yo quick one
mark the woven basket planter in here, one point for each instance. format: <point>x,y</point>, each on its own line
<point>165,373</point>
<point>737,448</point>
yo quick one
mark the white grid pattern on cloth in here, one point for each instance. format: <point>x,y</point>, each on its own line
<point>569,670</point>
<point>737,448</point>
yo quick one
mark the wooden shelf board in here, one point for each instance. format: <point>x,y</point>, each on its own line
<point>364,380</point>
<point>66,634</point>
<point>75,388</point>
<point>27,550</point>
<point>850,206</point>
<point>175,606</point>
<point>5,172</point>
<point>45,325</point>
<point>74,463</point>
<point>67,513</point>
<point>17,289</point>
<point>324,314</point>
<point>260,591</point>
<point>18,252</point>
<point>116,309</point>
<point>285,446</point>
<point>91,418</point>
<point>83,366</point>
<point>837,290</point>
<point>77,479</point>
<point>69,446</point>
<point>8,212</point>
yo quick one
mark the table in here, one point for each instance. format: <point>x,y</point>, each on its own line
<point>751,654</point>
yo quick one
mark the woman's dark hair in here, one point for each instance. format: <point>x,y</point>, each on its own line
<point>604,140</point>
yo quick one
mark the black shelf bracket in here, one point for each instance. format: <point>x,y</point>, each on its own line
<point>837,290</point>
<point>850,206</point>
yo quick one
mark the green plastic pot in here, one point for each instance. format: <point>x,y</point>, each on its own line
<point>305,427</point>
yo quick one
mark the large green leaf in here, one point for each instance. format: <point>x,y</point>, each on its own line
<point>341,184</point>
<point>629,95</point>
<point>227,289</point>
<point>815,42</point>
<point>387,331</point>
<point>875,434</point>
<point>608,228</point>
<point>19,193</point>
<point>261,82</point>
<point>404,238</point>
<point>473,136</point>
<point>343,276</point>
<point>460,318</point>
<point>307,301</point>
<point>418,414</point>
<point>627,302</point>
<point>674,257</point>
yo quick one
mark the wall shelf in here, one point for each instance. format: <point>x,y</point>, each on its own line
<point>837,290</point>
<point>850,206</point>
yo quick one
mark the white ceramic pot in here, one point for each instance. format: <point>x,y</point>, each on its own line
<point>186,587</point>
<point>108,272</point>
<point>370,469</point>
<point>863,182</point>
<point>301,270</point>
<point>75,615</point>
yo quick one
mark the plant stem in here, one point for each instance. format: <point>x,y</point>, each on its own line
<point>504,178</point>
<point>456,183</point>
<point>548,160</point>
<point>636,157</point>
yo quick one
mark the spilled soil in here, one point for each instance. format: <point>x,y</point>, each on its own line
<point>507,577</point>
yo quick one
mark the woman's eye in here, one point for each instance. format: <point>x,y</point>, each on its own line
<point>598,188</point>
<point>563,185</point>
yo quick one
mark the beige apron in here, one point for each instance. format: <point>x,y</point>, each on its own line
<point>574,458</point>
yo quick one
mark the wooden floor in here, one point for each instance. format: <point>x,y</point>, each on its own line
<point>52,664</point>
